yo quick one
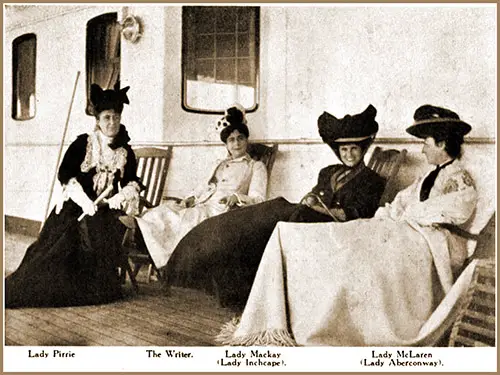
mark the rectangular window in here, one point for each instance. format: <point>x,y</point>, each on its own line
<point>24,77</point>
<point>102,53</point>
<point>220,57</point>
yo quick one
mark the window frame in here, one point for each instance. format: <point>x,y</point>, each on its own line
<point>102,20</point>
<point>15,83</point>
<point>185,61</point>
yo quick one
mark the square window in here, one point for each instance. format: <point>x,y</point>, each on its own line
<point>220,57</point>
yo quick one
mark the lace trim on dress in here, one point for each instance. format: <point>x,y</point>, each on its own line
<point>105,160</point>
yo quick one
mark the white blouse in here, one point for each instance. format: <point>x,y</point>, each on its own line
<point>244,177</point>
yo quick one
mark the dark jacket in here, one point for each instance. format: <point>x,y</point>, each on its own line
<point>359,197</point>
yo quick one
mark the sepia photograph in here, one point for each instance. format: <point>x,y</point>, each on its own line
<point>249,187</point>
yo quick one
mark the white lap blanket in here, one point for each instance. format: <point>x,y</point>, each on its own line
<point>361,283</point>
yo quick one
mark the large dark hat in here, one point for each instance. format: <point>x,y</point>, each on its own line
<point>437,122</point>
<point>350,129</point>
<point>108,99</point>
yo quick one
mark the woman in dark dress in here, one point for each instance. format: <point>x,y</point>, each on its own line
<point>75,257</point>
<point>221,255</point>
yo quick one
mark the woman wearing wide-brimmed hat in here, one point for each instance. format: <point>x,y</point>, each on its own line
<point>76,257</point>
<point>371,282</point>
<point>226,250</point>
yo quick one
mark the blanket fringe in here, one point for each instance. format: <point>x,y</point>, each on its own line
<point>274,337</point>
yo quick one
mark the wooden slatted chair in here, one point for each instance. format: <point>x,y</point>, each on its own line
<point>466,314</point>
<point>152,169</point>
<point>475,325</point>
<point>387,164</point>
<point>266,154</point>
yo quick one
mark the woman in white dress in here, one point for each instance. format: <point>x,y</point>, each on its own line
<point>238,180</point>
<point>367,282</point>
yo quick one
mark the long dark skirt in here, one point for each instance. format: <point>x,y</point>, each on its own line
<point>71,263</point>
<point>221,255</point>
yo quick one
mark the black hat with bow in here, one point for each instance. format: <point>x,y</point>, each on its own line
<point>108,99</point>
<point>350,129</point>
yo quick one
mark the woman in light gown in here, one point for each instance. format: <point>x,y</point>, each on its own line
<point>368,282</point>
<point>236,181</point>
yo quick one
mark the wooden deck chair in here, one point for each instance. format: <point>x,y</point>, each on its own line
<point>387,163</point>
<point>152,168</point>
<point>475,324</point>
<point>266,154</point>
<point>466,314</point>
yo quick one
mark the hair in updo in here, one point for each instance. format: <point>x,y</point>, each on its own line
<point>452,143</point>
<point>233,120</point>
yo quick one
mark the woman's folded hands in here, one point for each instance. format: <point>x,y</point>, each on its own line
<point>230,200</point>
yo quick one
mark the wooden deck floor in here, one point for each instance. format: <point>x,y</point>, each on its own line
<point>183,317</point>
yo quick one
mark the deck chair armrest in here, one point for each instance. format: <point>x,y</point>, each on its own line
<point>175,199</point>
<point>144,203</point>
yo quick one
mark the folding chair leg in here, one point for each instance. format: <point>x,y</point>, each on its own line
<point>137,267</point>
<point>128,269</point>
<point>150,273</point>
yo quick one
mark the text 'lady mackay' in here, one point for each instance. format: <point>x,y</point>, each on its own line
<point>253,354</point>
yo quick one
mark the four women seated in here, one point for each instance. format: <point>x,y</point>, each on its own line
<point>349,279</point>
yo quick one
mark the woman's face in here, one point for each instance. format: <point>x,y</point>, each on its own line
<point>351,154</point>
<point>109,122</point>
<point>237,144</point>
<point>434,152</point>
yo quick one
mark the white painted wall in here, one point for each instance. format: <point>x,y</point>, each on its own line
<point>341,58</point>
<point>337,58</point>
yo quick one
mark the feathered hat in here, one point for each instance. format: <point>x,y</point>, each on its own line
<point>233,119</point>
<point>233,115</point>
